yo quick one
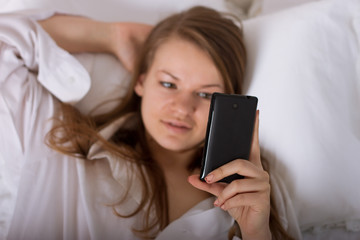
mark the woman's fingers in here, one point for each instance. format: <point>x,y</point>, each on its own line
<point>238,166</point>
<point>243,187</point>
<point>256,180</point>
<point>242,192</point>
<point>257,201</point>
<point>255,147</point>
<point>215,188</point>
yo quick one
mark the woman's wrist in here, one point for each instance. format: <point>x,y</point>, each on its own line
<point>118,34</point>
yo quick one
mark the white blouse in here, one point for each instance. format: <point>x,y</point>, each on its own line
<point>48,195</point>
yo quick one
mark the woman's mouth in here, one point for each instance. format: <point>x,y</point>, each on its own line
<point>177,127</point>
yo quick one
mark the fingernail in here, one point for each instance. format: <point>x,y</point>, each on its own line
<point>209,177</point>
<point>216,203</point>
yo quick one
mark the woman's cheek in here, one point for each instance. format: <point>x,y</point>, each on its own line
<point>203,117</point>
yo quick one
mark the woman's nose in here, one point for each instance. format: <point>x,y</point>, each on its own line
<point>184,104</point>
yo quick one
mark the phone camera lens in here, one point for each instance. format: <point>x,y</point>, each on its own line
<point>235,106</point>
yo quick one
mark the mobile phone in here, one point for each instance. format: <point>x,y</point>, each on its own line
<point>229,132</point>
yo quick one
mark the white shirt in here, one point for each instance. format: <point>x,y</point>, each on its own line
<point>48,195</point>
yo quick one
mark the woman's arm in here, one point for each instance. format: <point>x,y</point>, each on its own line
<point>78,34</point>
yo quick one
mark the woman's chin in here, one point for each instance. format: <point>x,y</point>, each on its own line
<point>177,147</point>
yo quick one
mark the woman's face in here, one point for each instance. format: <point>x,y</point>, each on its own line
<point>176,94</point>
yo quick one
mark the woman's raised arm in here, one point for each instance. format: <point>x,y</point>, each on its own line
<point>79,34</point>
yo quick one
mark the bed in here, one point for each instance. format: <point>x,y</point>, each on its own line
<point>303,65</point>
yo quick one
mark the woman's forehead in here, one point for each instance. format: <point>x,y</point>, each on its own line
<point>182,59</point>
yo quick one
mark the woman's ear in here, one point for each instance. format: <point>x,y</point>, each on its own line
<point>139,86</point>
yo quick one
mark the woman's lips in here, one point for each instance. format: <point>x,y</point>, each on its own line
<point>176,126</point>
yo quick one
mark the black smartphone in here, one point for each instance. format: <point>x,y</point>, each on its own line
<point>229,132</point>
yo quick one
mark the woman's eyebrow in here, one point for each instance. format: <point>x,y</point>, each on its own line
<point>203,86</point>
<point>212,85</point>
<point>169,74</point>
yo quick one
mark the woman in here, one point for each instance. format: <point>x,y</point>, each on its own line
<point>151,144</point>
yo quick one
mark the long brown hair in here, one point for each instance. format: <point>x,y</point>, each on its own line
<point>73,133</point>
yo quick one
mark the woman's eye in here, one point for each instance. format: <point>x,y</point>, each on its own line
<point>205,95</point>
<point>168,84</point>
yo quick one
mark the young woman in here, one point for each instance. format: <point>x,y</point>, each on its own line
<point>142,159</point>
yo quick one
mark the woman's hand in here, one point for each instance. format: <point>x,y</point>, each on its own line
<point>127,39</point>
<point>79,34</point>
<point>247,200</point>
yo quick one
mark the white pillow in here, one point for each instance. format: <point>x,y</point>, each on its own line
<point>269,6</point>
<point>304,68</point>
